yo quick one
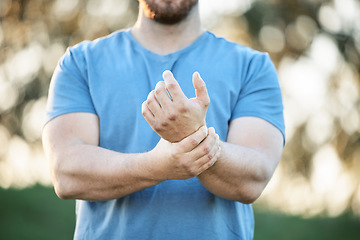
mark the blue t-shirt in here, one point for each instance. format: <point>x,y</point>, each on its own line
<point>111,77</point>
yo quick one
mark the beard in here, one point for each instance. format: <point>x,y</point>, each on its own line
<point>167,11</point>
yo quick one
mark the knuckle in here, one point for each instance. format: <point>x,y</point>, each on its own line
<point>210,156</point>
<point>210,164</point>
<point>207,102</point>
<point>172,116</point>
<point>164,124</point>
<point>157,91</point>
<point>157,127</point>
<point>193,141</point>
<point>184,164</point>
<point>175,156</point>
<point>192,171</point>
<point>206,149</point>
<point>183,108</point>
<point>149,100</point>
<point>171,85</point>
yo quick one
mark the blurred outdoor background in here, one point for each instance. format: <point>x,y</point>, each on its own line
<point>315,45</point>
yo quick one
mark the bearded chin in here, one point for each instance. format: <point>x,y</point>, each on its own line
<point>170,19</point>
<point>167,14</point>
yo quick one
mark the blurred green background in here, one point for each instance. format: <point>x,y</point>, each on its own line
<point>36,213</point>
<point>315,45</point>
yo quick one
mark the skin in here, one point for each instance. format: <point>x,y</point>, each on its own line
<point>176,117</point>
<point>237,169</point>
<point>249,156</point>
<point>81,169</point>
<point>164,38</point>
<point>167,12</point>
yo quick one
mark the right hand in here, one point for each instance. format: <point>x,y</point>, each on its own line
<point>176,117</point>
<point>187,158</point>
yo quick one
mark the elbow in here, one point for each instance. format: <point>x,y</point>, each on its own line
<point>63,185</point>
<point>62,191</point>
<point>63,188</point>
<point>247,197</point>
<point>250,193</point>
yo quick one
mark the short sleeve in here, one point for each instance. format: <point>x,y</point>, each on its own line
<point>260,95</point>
<point>69,88</point>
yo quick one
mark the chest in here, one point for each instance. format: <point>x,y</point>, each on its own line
<point>119,91</point>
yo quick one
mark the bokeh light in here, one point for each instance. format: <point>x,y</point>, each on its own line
<point>314,44</point>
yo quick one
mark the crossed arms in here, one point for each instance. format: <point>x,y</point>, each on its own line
<point>237,169</point>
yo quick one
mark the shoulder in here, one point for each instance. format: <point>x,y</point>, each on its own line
<point>99,45</point>
<point>230,45</point>
<point>231,49</point>
<point>244,60</point>
<point>88,51</point>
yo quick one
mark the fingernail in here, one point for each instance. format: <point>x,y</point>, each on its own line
<point>212,129</point>
<point>205,129</point>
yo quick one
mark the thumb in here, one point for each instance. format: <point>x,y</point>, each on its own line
<point>200,89</point>
<point>192,141</point>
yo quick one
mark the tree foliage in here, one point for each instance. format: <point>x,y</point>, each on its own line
<point>315,45</point>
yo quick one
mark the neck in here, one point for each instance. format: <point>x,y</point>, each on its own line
<point>164,39</point>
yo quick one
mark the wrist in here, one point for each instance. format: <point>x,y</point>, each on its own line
<point>154,161</point>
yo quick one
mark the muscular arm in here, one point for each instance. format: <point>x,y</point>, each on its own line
<point>82,170</point>
<point>248,160</point>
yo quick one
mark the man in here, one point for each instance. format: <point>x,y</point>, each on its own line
<point>221,133</point>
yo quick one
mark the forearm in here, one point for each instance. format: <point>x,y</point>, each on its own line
<point>240,174</point>
<point>92,173</point>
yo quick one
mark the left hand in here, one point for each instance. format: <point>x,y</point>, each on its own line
<point>187,158</point>
<point>175,117</point>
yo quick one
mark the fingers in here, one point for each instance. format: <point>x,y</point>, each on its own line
<point>150,109</point>
<point>205,154</point>
<point>197,153</point>
<point>203,149</point>
<point>209,146</point>
<point>153,104</point>
<point>208,164</point>
<point>148,115</point>
<point>173,86</point>
<point>200,89</point>
<point>162,95</point>
<point>208,151</point>
<point>192,141</point>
